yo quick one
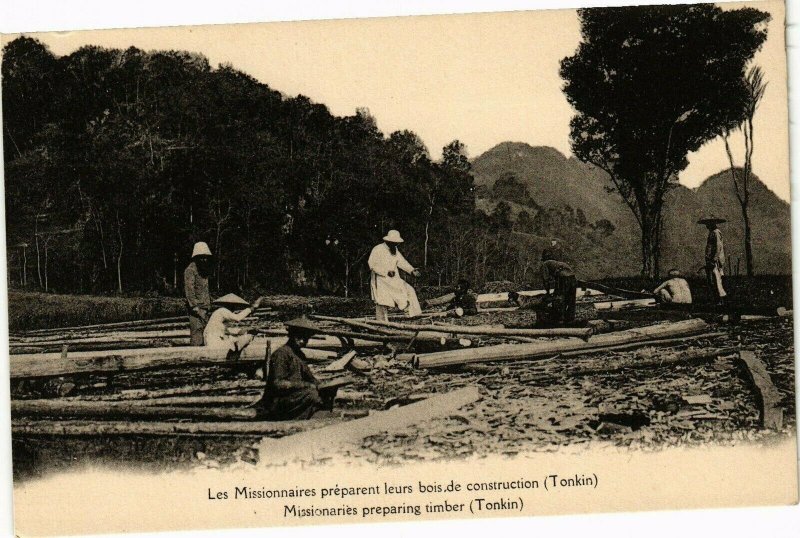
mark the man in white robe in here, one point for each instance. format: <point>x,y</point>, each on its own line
<point>221,332</point>
<point>387,288</point>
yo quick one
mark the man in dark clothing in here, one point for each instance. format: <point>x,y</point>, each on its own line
<point>292,391</point>
<point>464,300</point>
<point>195,286</point>
<point>560,277</point>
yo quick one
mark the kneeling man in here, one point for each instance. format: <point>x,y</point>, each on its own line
<point>292,391</point>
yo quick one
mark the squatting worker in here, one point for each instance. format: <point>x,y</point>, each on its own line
<point>463,301</point>
<point>674,290</point>
<point>560,277</point>
<point>220,331</point>
<point>292,392</point>
<point>715,258</point>
<point>387,287</point>
<point>195,286</point>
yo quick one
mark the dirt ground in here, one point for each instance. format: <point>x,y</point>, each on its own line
<point>525,406</point>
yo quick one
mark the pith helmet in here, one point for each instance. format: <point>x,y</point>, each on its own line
<point>393,237</point>
<point>201,249</point>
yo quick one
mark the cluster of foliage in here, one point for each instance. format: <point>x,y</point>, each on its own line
<point>117,161</point>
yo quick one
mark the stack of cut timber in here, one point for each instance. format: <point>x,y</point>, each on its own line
<point>485,331</point>
<point>546,349</point>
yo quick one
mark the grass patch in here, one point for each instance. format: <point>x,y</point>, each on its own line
<point>29,310</point>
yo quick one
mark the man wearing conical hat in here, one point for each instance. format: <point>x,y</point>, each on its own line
<point>387,287</point>
<point>221,331</point>
<point>715,258</point>
<point>292,392</point>
<point>195,286</point>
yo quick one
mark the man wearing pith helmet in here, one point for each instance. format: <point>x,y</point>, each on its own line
<point>387,288</point>
<point>195,286</point>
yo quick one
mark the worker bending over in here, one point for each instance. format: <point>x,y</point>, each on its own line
<point>292,391</point>
<point>675,290</point>
<point>560,277</point>
<point>220,331</point>
<point>387,287</point>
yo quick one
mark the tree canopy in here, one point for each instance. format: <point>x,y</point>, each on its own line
<point>651,84</point>
<point>117,161</point>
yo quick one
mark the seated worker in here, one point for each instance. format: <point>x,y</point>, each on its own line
<point>292,391</point>
<point>219,333</point>
<point>560,277</point>
<point>464,300</point>
<point>675,290</point>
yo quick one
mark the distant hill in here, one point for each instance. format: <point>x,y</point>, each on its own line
<point>556,197</point>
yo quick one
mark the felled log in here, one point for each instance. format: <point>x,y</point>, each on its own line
<point>625,304</point>
<point>112,336</point>
<point>120,324</point>
<point>503,296</point>
<point>340,364</point>
<point>427,333</point>
<point>484,331</point>
<point>98,346</point>
<point>127,409</point>
<point>143,394</point>
<point>644,343</point>
<point>439,301</point>
<point>53,364</point>
<point>768,397</point>
<point>358,339</point>
<point>546,349</point>
<point>611,290</point>
<point>690,357</point>
<point>222,399</point>
<point>324,441</point>
<point>125,427</point>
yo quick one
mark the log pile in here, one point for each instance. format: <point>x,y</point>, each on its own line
<point>89,360</point>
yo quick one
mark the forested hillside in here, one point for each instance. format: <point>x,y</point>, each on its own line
<point>553,196</point>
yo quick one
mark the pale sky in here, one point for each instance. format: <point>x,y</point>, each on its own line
<point>483,78</point>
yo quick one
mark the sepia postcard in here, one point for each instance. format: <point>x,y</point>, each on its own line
<point>398,269</point>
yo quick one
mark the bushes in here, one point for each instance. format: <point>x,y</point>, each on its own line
<point>27,310</point>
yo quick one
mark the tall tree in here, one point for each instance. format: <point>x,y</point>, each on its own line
<point>651,84</point>
<point>756,86</point>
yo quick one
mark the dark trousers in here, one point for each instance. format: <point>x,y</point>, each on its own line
<point>565,292</point>
<point>196,328</point>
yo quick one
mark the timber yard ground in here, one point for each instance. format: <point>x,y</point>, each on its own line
<point>638,398</point>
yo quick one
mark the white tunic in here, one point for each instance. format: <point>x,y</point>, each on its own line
<point>391,291</point>
<point>218,334</point>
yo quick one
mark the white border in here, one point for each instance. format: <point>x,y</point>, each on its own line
<point>48,15</point>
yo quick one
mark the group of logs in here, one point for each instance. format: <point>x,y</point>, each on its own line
<point>533,350</point>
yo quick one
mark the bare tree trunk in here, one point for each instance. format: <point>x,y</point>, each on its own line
<point>346,279</point>
<point>748,242</point>
<point>119,255</point>
<point>46,287</point>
